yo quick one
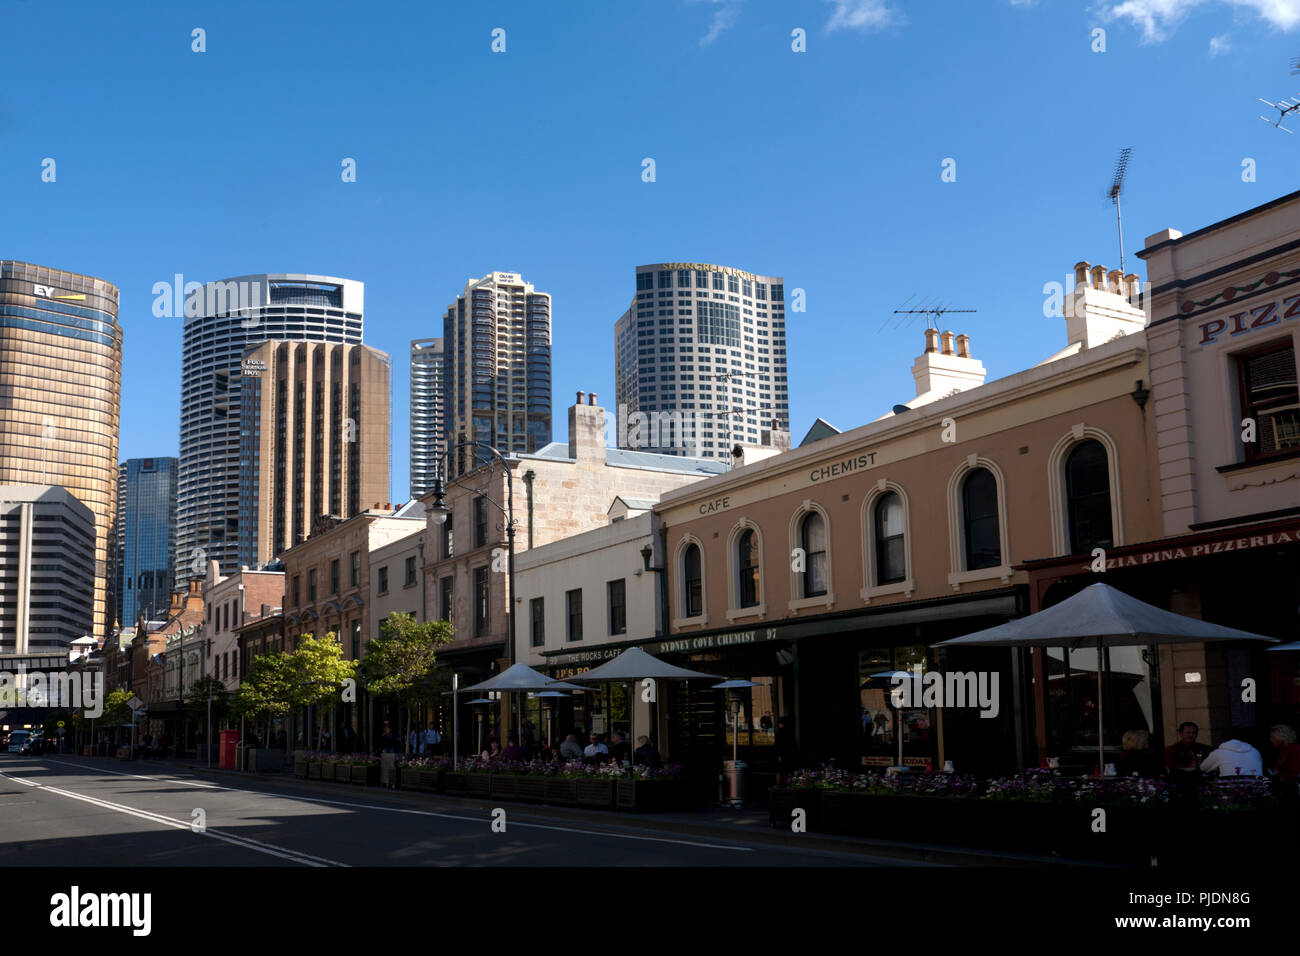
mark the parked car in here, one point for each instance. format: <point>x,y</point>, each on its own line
<point>19,741</point>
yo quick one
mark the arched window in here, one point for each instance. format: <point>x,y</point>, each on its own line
<point>692,582</point>
<point>891,558</point>
<point>1087,497</point>
<point>979,504</point>
<point>747,565</point>
<point>812,538</point>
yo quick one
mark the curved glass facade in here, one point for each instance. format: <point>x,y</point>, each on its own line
<point>61,394</point>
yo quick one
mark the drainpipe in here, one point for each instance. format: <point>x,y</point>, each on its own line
<point>528,481</point>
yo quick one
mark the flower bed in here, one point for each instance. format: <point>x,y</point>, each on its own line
<point>422,773</point>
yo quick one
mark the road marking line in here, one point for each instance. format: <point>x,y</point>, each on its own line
<point>447,816</point>
<point>246,842</point>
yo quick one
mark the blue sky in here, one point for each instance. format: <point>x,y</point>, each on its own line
<point>822,166</point>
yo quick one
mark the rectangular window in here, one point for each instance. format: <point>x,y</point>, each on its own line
<point>573,607</point>
<point>410,571</point>
<point>645,280</point>
<point>481,601</point>
<point>444,598</point>
<point>1266,379</point>
<point>334,576</point>
<point>355,575</point>
<point>311,586</point>
<point>537,616</point>
<point>448,543</point>
<point>480,522</point>
<point>296,592</point>
<point>617,606</point>
<point>383,580</point>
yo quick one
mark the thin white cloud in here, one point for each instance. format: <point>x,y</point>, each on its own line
<point>1220,45</point>
<point>726,14</point>
<point>865,15</point>
<point>1156,19</point>
<point>1023,3</point>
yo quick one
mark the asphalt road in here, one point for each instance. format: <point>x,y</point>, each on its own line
<point>69,811</point>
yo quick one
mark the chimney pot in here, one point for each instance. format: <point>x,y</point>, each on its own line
<point>1099,277</point>
<point>591,399</point>
<point>932,340</point>
<point>947,343</point>
<point>1133,284</point>
<point>1081,274</point>
<point>963,345</point>
<point>581,396</point>
<point>1114,281</point>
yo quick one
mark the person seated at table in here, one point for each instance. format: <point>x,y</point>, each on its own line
<point>1185,756</point>
<point>571,749</point>
<point>619,749</point>
<point>1234,758</point>
<point>1137,760</point>
<point>513,751</point>
<point>1287,766</point>
<point>493,751</point>
<point>596,749</point>
<point>645,752</point>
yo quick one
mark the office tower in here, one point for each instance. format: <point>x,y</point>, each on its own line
<point>228,317</point>
<point>47,569</point>
<point>314,442</point>
<point>700,363</point>
<point>428,427</point>
<point>60,395</point>
<point>146,559</point>
<point>497,346</point>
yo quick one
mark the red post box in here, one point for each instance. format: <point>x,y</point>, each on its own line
<point>229,738</point>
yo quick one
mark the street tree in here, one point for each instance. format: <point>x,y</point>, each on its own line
<point>401,662</point>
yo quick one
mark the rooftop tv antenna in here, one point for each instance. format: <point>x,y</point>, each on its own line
<point>1283,107</point>
<point>931,313</point>
<point>1116,188</point>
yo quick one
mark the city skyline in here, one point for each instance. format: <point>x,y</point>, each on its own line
<point>875,213</point>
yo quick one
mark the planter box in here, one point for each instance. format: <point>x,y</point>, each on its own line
<point>596,794</point>
<point>782,803</point>
<point>478,784</point>
<point>364,776</point>
<point>266,761</point>
<point>454,781</point>
<point>532,788</point>
<point>300,768</point>
<point>123,753</point>
<point>652,796</point>
<point>316,770</point>
<point>341,772</point>
<point>561,791</point>
<point>426,780</point>
<point>504,786</point>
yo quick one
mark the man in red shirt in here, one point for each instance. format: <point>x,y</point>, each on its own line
<point>1184,757</point>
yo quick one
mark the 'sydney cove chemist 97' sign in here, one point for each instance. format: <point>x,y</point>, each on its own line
<point>704,642</point>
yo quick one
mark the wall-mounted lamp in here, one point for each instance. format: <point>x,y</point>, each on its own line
<point>1140,394</point>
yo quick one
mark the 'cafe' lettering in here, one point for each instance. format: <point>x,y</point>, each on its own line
<point>717,504</point>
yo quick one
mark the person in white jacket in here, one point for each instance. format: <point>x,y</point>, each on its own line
<point>1234,758</point>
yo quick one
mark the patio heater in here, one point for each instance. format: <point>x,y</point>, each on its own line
<point>734,770</point>
<point>480,705</point>
<point>548,699</point>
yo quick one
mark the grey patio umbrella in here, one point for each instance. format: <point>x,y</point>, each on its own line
<point>519,677</point>
<point>1292,646</point>
<point>1100,616</point>
<point>633,665</point>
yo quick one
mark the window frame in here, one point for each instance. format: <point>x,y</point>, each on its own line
<point>738,609</point>
<point>482,600</point>
<point>572,600</point>
<point>867,529</point>
<point>537,622</point>
<point>1239,361</point>
<point>959,573</point>
<point>685,619</point>
<point>798,597</point>
<point>610,606</point>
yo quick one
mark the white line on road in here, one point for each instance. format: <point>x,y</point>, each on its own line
<point>248,843</point>
<point>428,813</point>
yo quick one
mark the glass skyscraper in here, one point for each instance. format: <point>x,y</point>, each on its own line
<point>61,395</point>
<point>497,350</point>
<point>232,316</point>
<point>146,560</point>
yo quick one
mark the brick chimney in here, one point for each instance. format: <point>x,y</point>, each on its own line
<point>939,374</point>
<point>1103,306</point>
<point>587,430</point>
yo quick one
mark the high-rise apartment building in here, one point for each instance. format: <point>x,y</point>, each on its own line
<point>61,395</point>
<point>146,521</point>
<point>700,362</point>
<point>497,343</point>
<point>47,570</point>
<point>315,421</point>
<point>233,315</point>
<point>428,398</point>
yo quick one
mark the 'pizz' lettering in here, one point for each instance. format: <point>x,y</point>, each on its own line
<point>1292,312</point>
<point>1264,319</point>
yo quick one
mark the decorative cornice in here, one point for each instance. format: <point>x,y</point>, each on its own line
<point>1230,292</point>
